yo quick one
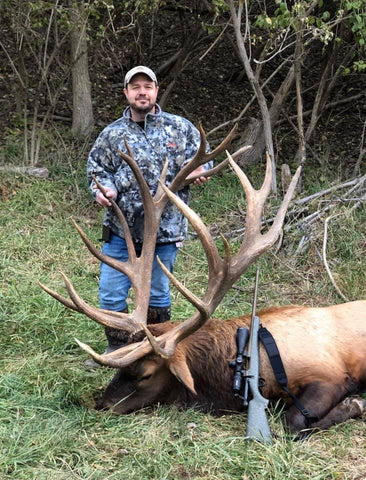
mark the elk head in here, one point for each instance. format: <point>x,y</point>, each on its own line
<point>154,366</point>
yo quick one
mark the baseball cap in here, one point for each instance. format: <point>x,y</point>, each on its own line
<point>139,69</point>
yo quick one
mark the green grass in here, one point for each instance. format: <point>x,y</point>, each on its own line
<point>48,427</point>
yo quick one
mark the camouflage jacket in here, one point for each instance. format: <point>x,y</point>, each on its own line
<point>165,135</point>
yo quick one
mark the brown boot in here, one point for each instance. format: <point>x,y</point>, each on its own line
<point>158,315</point>
<point>116,339</point>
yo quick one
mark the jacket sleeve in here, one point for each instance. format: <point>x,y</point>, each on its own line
<point>100,164</point>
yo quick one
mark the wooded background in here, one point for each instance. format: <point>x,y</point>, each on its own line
<point>291,74</point>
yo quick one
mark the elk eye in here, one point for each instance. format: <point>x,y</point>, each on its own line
<point>145,377</point>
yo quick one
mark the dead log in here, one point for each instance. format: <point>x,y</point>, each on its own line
<point>39,172</point>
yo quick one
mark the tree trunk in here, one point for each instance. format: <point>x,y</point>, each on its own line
<point>254,134</point>
<point>266,122</point>
<point>299,51</point>
<point>82,114</point>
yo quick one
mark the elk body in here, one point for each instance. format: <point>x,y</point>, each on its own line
<point>323,349</point>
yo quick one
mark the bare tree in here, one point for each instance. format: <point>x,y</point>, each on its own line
<point>254,81</point>
<point>266,33</point>
<point>82,112</point>
<point>32,65</point>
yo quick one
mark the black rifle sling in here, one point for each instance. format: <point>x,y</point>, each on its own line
<point>274,356</point>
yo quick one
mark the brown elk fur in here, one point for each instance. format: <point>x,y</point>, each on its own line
<point>323,351</point>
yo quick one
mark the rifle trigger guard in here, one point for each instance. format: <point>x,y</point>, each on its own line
<point>261,382</point>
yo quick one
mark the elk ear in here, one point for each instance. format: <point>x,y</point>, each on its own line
<point>179,368</point>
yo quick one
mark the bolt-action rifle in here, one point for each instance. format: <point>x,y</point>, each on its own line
<point>257,424</point>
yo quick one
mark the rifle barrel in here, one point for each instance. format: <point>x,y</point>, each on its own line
<point>255,296</point>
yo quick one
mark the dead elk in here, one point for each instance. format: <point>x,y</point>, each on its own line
<point>323,349</point>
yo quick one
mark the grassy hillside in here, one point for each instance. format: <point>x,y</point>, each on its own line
<point>48,428</point>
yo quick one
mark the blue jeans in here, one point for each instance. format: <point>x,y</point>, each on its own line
<point>114,285</point>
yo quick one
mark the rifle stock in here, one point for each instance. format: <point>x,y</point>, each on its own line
<point>257,423</point>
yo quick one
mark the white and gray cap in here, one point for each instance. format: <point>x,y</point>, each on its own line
<point>139,69</point>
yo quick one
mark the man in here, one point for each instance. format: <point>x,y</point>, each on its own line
<point>153,135</point>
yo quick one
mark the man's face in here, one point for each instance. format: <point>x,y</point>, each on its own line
<point>141,93</point>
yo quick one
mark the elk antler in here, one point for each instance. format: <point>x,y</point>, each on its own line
<point>223,272</point>
<point>138,269</point>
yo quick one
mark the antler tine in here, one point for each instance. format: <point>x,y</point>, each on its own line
<point>213,257</point>
<point>69,304</point>
<point>159,195</point>
<point>193,299</point>
<point>126,353</point>
<point>154,343</point>
<point>220,166</point>
<point>122,323</point>
<point>124,267</point>
<point>122,220</point>
<point>255,200</point>
<point>220,148</point>
<point>112,359</point>
<point>254,242</point>
<point>103,317</point>
<point>144,188</point>
<point>201,158</point>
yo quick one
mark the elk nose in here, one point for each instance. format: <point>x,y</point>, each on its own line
<point>100,404</point>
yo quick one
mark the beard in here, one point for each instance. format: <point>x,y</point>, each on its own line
<point>142,110</point>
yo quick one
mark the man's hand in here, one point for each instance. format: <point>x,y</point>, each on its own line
<point>103,200</point>
<point>199,180</point>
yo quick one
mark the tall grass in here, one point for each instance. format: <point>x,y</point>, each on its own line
<point>48,427</point>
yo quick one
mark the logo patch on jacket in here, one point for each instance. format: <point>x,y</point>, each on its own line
<point>171,145</point>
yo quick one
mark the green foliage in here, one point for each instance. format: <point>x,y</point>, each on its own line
<point>34,16</point>
<point>144,7</point>
<point>319,22</point>
<point>219,6</point>
<point>356,11</point>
